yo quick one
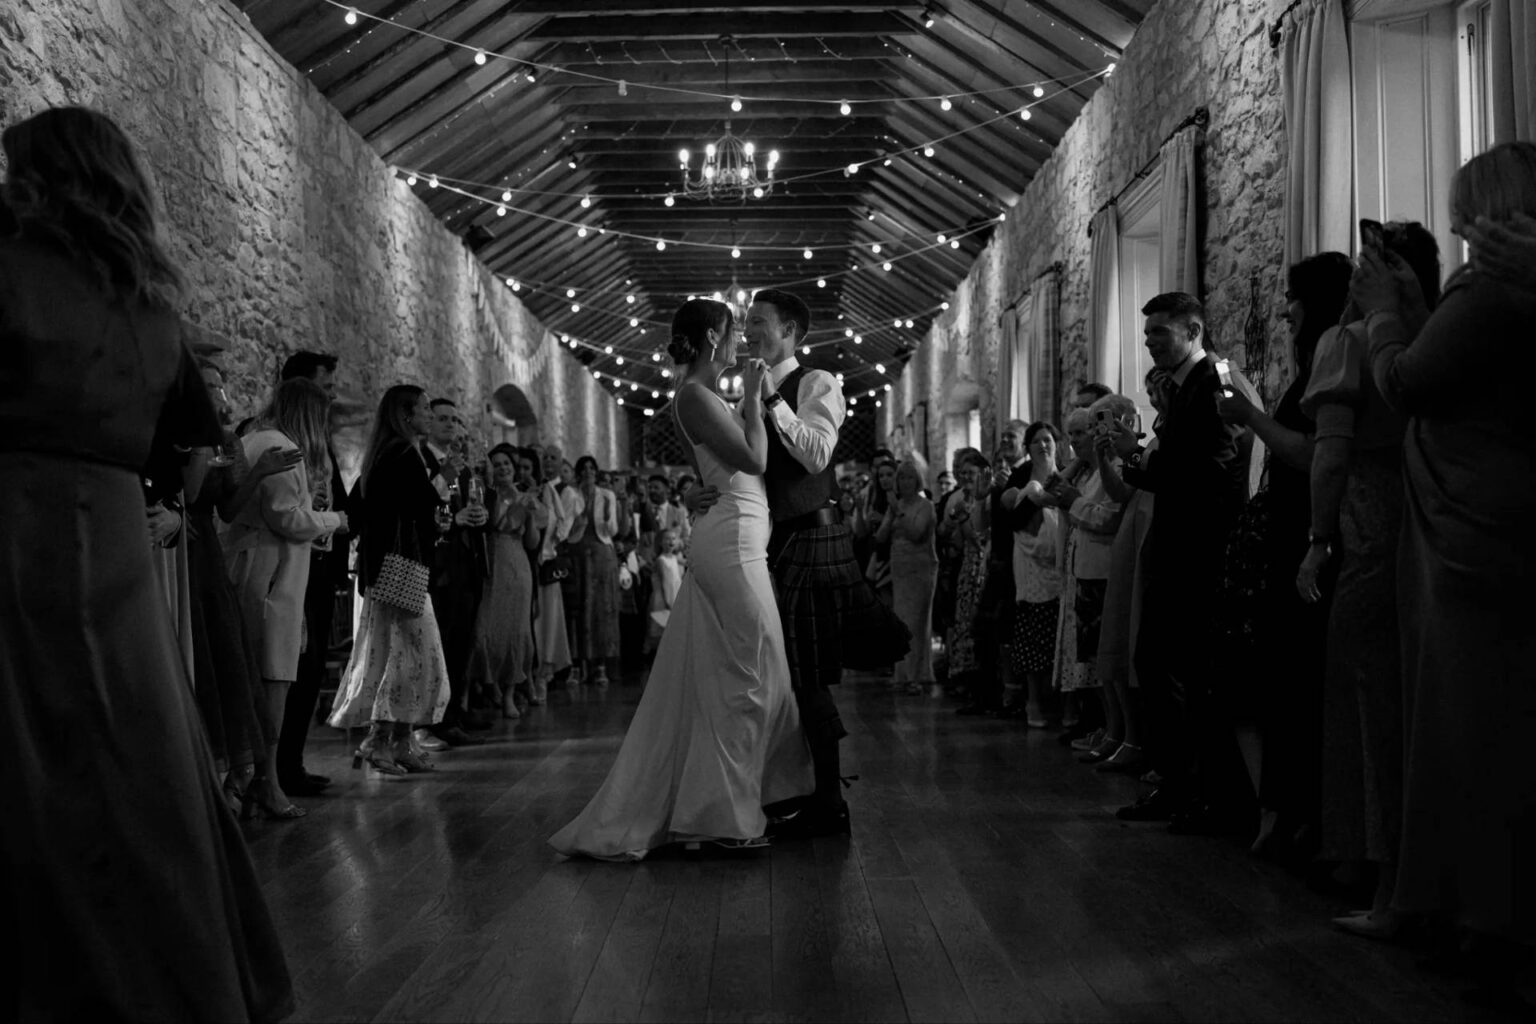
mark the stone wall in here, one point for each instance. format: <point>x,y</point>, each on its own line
<point>1186,54</point>
<point>291,230</point>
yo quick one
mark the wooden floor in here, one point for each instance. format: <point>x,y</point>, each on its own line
<point>985,880</point>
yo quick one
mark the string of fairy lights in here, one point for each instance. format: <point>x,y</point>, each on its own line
<point>500,197</point>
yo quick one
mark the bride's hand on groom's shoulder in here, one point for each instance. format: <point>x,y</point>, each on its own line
<point>701,499</point>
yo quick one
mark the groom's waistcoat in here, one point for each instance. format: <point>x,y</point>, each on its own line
<point>792,489</point>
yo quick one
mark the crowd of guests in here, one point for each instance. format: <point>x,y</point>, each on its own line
<point>1336,663</point>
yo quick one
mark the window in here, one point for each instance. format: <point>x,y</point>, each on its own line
<point>1474,77</point>
<point>1140,279</point>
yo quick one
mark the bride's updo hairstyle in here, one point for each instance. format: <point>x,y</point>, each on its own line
<point>691,325</point>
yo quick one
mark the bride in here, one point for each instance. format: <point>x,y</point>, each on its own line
<point>716,734</point>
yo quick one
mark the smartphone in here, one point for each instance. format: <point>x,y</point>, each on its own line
<point>1224,374</point>
<point>1373,235</point>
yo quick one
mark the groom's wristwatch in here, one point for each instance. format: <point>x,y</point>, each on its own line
<point>772,400</point>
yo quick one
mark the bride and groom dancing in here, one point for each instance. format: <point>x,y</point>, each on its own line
<point>737,715</point>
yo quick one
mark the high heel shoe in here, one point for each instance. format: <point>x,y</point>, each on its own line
<point>379,761</point>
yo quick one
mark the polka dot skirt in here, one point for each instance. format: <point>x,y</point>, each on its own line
<point>1034,636</point>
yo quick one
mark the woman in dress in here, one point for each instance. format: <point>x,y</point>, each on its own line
<point>267,550</point>
<point>502,662</point>
<point>1355,505</point>
<point>907,527</point>
<point>717,734</point>
<point>1281,636</point>
<point>1073,674</point>
<point>1468,556</point>
<point>125,875</point>
<point>551,635</point>
<point>397,677</point>
<point>1036,578</point>
<point>227,669</point>
<point>595,568</point>
<point>972,521</point>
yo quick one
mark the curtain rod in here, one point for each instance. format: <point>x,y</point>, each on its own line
<point>1276,30</point>
<point>1201,119</point>
<point>1054,268</point>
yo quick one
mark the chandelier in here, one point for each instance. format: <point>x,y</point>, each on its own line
<point>729,171</point>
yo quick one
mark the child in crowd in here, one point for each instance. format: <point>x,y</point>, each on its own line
<point>666,580</point>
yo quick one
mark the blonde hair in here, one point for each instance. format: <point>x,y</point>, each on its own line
<point>1496,184</point>
<point>909,468</point>
<point>75,183</point>
<point>301,409</point>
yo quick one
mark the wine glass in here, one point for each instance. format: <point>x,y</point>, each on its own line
<point>224,454</point>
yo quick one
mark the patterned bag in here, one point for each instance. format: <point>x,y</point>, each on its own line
<point>402,581</point>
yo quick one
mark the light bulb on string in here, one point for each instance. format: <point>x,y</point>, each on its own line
<point>858,339</point>
<point>886,266</point>
<point>807,254</point>
<point>928,151</point>
<point>852,170</point>
<point>654,394</point>
<point>529,77</point>
<point>351,16</point>
<point>875,247</point>
<point>844,108</point>
<point>1025,115</point>
<point>736,104</point>
<point>735,253</point>
<point>479,56</point>
<point>570,293</point>
<point>575,307</point>
<point>630,298</point>
<point>669,200</point>
<point>655,357</point>
<point>586,201</point>
<point>682,157</point>
<point>944,104</point>
<point>633,386</point>
<point>1038,92</point>
<point>909,325</point>
<point>411,180</point>
<point>954,243</point>
<point>634,322</point>
<point>620,361</point>
<point>821,282</point>
<point>501,211</point>
<point>661,246</point>
<point>942,239</point>
<point>847,332</point>
<point>506,196</point>
<point>581,232</point>
<point>944,305</point>
<point>757,192</point>
<point>805,350</point>
<point>896,322</point>
<point>607,350</point>
<point>432,181</point>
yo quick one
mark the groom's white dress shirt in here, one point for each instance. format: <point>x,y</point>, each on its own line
<point>810,433</point>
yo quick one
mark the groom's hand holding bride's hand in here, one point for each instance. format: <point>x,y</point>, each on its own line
<point>700,499</point>
<point>755,380</point>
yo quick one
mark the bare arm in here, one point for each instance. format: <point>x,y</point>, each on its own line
<point>743,446</point>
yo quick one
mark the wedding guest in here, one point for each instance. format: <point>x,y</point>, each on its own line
<point>595,568</point>
<point>668,579</point>
<point>1467,558</point>
<point>1035,547</point>
<point>879,496</point>
<point>460,565</point>
<point>503,660</point>
<point>1074,676</point>
<point>1349,570</point>
<point>397,676</point>
<point>267,551</point>
<point>971,522</point>
<point>1095,515</point>
<point>328,561</point>
<point>1120,626</point>
<point>220,481</point>
<point>950,550</point>
<point>1200,477</point>
<point>908,527</point>
<point>1278,634</point>
<point>993,622</point>
<point>551,633</point>
<point>125,876</point>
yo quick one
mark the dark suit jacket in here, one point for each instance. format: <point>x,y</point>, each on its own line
<point>397,506</point>
<point>465,560</point>
<point>1199,473</point>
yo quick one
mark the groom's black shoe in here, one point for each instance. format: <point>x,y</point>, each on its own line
<point>810,823</point>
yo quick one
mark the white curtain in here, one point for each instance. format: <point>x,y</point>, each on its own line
<point>1013,366</point>
<point>1045,346</point>
<point>1178,210</point>
<point>1315,82</point>
<point>1104,298</point>
<point>1512,52</point>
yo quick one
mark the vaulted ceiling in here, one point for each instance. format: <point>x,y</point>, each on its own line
<point>575,110</point>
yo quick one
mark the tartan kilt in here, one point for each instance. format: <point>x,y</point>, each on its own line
<point>832,617</point>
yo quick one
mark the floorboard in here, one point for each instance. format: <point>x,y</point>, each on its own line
<point>985,881</point>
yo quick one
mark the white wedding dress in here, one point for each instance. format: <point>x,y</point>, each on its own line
<point>717,733</point>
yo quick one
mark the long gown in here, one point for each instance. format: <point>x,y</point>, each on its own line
<point>127,884</point>
<point>503,656</point>
<point>717,734</point>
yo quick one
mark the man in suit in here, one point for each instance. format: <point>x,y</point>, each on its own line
<point>1199,474</point>
<point>462,566</point>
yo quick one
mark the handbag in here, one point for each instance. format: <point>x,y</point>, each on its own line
<point>555,569</point>
<point>402,581</point>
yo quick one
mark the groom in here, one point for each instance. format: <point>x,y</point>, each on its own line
<point>810,552</point>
